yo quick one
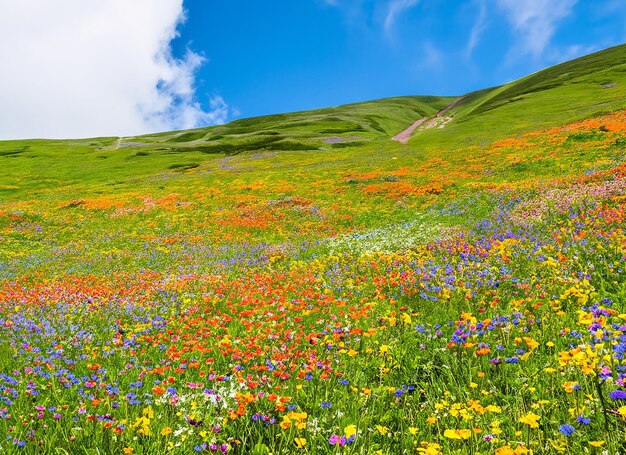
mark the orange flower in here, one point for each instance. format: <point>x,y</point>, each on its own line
<point>158,390</point>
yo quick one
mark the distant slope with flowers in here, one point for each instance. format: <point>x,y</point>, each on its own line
<point>564,93</point>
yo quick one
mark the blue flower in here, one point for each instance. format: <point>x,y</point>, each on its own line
<point>566,429</point>
<point>583,420</point>
<point>617,395</point>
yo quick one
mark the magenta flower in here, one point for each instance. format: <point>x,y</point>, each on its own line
<point>337,440</point>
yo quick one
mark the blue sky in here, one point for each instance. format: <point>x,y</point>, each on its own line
<point>285,55</point>
<point>73,68</point>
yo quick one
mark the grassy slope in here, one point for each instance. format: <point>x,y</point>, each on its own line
<point>31,166</point>
<point>557,95</point>
<point>294,143</point>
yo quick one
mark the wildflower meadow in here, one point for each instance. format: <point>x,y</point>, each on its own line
<point>470,301</point>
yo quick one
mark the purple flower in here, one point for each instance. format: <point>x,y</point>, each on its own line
<point>617,395</point>
<point>337,440</point>
<point>194,423</point>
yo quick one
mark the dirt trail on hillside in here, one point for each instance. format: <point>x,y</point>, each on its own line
<point>406,134</point>
<point>439,119</point>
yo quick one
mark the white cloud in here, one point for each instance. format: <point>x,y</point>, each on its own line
<point>394,8</point>
<point>574,51</point>
<point>431,57</point>
<point>535,21</point>
<point>76,68</point>
<point>477,29</point>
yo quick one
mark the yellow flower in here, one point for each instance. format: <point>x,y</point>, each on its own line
<point>570,386</point>
<point>413,430</point>
<point>382,430</point>
<point>431,420</point>
<point>300,442</point>
<point>584,318</point>
<point>148,412</point>
<point>457,434</point>
<point>384,349</point>
<point>165,431</point>
<point>286,423</point>
<point>531,419</point>
<point>430,448</point>
<point>559,446</point>
<point>128,450</point>
<point>507,450</point>
<point>350,430</point>
<point>596,443</point>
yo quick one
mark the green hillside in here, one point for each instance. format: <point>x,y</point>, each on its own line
<point>303,283</point>
<point>560,94</point>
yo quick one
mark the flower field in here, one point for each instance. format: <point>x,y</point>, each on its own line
<point>472,301</point>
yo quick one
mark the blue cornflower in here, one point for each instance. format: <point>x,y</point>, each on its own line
<point>583,420</point>
<point>566,429</point>
<point>617,395</point>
